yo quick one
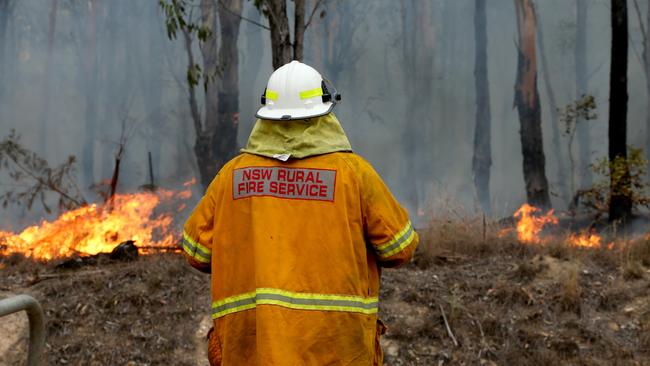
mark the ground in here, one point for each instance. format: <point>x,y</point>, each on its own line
<point>483,303</point>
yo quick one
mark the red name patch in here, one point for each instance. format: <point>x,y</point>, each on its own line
<point>292,183</point>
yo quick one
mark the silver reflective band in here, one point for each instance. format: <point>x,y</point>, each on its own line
<point>400,241</point>
<point>196,250</point>
<point>293,300</point>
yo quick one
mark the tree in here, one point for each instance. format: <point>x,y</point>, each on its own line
<point>417,54</point>
<point>582,80</point>
<point>6,8</point>
<point>89,78</point>
<point>553,111</point>
<point>225,136</point>
<point>216,130</point>
<point>620,204</point>
<point>482,159</point>
<point>332,41</point>
<point>47,78</point>
<point>527,103</point>
<point>645,61</point>
<point>282,49</point>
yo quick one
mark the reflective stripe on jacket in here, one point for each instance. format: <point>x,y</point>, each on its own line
<point>295,250</point>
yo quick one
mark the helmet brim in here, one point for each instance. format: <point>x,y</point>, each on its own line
<point>290,114</point>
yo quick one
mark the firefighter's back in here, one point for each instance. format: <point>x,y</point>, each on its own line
<point>302,286</point>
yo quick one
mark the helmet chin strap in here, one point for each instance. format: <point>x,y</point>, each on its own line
<point>334,98</point>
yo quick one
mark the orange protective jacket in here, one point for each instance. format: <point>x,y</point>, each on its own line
<point>295,250</point>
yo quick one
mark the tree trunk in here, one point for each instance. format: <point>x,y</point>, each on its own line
<point>154,86</point>
<point>646,69</point>
<point>299,30</point>
<point>225,134</point>
<point>281,47</point>
<point>417,53</point>
<point>482,159</point>
<point>555,120</point>
<point>582,127</point>
<point>5,10</point>
<point>203,147</point>
<point>90,77</point>
<point>620,206</point>
<point>43,138</point>
<point>527,104</point>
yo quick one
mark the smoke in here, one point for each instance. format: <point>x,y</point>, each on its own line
<point>359,46</point>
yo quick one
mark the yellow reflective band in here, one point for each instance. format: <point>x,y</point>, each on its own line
<point>294,300</point>
<point>311,93</point>
<point>401,247</point>
<point>400,241</point>
<point>270,94</point>
<point>196,250</point>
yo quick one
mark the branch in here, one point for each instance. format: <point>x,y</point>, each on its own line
<point>313,11</point>
<point>643,32</point>
<point>638,14</point>
<point>243,17</point>
<point>449,332</point>
<point>47,184</point>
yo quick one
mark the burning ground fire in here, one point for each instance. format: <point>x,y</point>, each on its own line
<point>531,222</point>
<point>100,228</point>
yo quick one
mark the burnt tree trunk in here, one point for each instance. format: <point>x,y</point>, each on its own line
<point>225,133</point>
<point>582,127</point>
<point>482,159</point>
<point>620,206</point>
<point>527,104</point>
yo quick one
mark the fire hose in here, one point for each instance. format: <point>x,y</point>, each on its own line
<point>36,323</point>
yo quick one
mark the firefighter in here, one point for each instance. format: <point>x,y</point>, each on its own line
<point>294,232</point>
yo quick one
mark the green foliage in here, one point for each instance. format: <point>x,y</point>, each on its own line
<point>31,172</point>
<point>622,177</point>
<point>178,19</point>
<point>175,20</point>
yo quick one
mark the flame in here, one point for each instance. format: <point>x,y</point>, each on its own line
<point>588,239</point>
<point>530,223</point>
<point>97,228</point>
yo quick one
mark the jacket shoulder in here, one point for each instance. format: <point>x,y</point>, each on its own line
<point>355,161</point>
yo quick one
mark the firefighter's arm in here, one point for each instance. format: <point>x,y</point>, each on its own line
<point>198,233</point>
<point>386,224</point>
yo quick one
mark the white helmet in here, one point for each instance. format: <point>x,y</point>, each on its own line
<point>296,91</point>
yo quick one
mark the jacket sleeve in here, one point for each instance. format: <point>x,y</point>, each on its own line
<point>386,224</point>
<point>198,233</point>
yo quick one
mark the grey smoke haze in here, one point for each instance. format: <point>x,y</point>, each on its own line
<point>141,80</point>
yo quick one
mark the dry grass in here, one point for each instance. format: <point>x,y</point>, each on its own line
<point>570,291</point>
<point>138,313</point>
<point>506,303</point>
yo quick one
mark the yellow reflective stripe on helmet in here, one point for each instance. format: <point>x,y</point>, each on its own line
<point>311,93</point>
<point>270,94</point>
<point>294,300</point>
<point>196,250</point>
<point>400,241</point>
